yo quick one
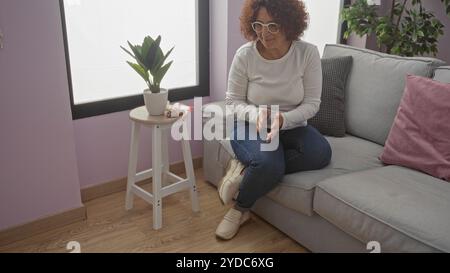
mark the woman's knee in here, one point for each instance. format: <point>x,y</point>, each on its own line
<point>327,153</point>
<point>311,153</point>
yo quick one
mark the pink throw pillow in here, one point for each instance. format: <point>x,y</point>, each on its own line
<point>420,136</point>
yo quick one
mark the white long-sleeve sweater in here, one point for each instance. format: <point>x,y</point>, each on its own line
<point>293,82</point>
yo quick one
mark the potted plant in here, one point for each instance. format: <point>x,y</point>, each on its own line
<point>407,29</point>
<point>150,65</point>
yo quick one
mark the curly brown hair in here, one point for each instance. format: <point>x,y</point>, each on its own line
<point>291,15</point>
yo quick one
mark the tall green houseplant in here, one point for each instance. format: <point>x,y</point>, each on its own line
<point>407,30</point>
<point>150,60</point>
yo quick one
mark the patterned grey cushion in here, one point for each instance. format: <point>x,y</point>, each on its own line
<point>330,118</point>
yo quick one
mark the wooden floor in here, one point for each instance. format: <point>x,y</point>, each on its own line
<point>109,228</point>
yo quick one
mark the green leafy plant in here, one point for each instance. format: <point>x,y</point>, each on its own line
<point>150,61</point>
<point>407,30</point>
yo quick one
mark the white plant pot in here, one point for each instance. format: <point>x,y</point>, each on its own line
<point>156,102</point>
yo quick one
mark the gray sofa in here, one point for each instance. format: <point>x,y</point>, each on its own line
<point>356,199</point>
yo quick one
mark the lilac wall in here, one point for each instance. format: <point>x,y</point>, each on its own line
<point>219,48</point>
<point>38,170</point>
<point>235,38</point>
<point>225,40</point>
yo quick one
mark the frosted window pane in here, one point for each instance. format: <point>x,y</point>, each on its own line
<point>97,28</point>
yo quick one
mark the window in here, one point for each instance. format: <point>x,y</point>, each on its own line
<point>100,80</point>
<point>324,23</point>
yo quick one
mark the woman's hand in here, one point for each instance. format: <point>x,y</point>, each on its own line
<point>277,123</point>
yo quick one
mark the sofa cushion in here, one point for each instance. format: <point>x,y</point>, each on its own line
<point>403,209</point>
<point>350,154</point>
<point>374,88</point>
<point>419,138</point>
<point>330,118</point>
<point>442,74</point>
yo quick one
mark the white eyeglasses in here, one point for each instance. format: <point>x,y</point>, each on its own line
<point>271,27</point>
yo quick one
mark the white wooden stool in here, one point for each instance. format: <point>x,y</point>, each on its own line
<point>160,160</point>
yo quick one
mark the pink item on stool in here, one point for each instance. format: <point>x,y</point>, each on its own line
<point>176,110</point>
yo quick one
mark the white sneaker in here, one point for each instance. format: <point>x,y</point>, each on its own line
<point>231,222</point>
<point>229,184</point>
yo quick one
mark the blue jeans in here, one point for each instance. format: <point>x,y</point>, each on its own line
<point>299,149</point>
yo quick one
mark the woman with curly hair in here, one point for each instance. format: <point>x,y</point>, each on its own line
<point>274,68</point>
